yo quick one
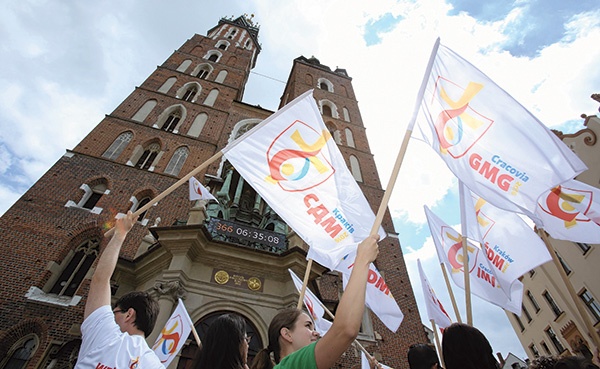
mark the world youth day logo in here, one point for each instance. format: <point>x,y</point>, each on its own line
<point>458,126</point>
<point>452,243</point>
<point>296,159</point>
<point>568,204</point>
<point>166,344</point>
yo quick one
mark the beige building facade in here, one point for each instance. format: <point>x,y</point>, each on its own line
<point>550,323</point>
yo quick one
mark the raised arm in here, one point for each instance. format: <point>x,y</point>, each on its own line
<point>99,294</point>
<point>350,310</point>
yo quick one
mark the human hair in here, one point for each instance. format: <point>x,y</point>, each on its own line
<point>574,362</point>
<point>465,347</point>
<point>422,356</point>
<point>543,362</point>
<point>221,344</point>
<point>284,319</point>
<point>146,309</point>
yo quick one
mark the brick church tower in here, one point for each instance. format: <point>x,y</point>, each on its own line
<point>187,110</point>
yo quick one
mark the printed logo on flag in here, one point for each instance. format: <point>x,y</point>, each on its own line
<point>311,307</point>
<point>455,250</point>
<point>458,126</point>
<point>296,159</point>
<point>565,204</point>
<point>166,344</point>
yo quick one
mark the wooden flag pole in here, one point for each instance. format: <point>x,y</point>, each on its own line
<point>196,337</point>
<point>437,342</point>
<point>304,284</point>
<point>451,293</point>
<point>576,299</point>
<point>465,251</point>
<point>173,187</point>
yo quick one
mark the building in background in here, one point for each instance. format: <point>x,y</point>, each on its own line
<point>230,256</point>
<point>550,324</point>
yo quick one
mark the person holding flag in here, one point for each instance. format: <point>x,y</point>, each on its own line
<point>115,338</point>
<point>292,339</point>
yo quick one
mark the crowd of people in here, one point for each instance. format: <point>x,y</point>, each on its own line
<point>115,337</point>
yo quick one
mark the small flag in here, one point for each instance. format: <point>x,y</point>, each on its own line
<point>365,362</point>
<point>173,335</point>
<point>313,305</point>
<point>199,192</point>
<point>435,309</point>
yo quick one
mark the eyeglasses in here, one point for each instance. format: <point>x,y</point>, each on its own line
<point>118,311</point>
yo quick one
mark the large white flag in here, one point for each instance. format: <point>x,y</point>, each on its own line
<point>313,305</point>
<point>173,335</point>
<point>364,362</point>
<point>571,212</point>
<point>291,160</point>
<point>435,309</point>
<point>199,192</point>
<point>483,280</point>
<point>510,245</point>
<point>487,139</point>
<point>378,297</point>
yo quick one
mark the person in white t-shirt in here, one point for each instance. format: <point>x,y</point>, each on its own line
<point>115,338</point>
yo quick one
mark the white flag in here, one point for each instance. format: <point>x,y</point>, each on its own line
<point>510,245</point>
<point>378,297</point>
<point>571,212</point>
<point>487,139</point>
<point>291,160</point>
<point>173,335</point>
<point>483,280</point>
<point>313,305</point>
<point>199,192</point>
<point>435,309</point>
<point>364,362</point>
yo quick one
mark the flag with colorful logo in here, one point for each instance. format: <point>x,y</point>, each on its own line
<point>364,362</point>
<point>199,192</point>
<point>571,211</point>
<point>291,160</point>
<point>378,296</point>
<point>483,280</point>
<point>435,309</point>
<point>173,335</point>
<point>313,305</point>
<point>487,139</point>
<point>510,245</point>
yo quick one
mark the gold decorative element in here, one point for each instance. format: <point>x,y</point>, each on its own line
<point>221,277</point>
<point>253,283</point>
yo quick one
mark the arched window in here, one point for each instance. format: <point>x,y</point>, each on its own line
<point>138,204</point>
<point>335,133</point>
<point>231,33</point>
<point>211,98</point>
<point>221,76</point>
<point>118,146</point>
<point>141,114</point>
<point>147,158</point>
<point>202,71</point>
<point>355,168</point>
<point>167,85</point>
<point>198,125</point>
<point>184,66</point>
<point>72,275</point>
<point>213,58</point>
<point>190,93</point>
<point>346,114</point>
<point>171,122</point>
<point>349,137</point>
<point>325,84</point>
<point>177,161</point>
<point>222,44</point>
<point>327,111</point>
<point>21,352</point>
<point>91,195</point>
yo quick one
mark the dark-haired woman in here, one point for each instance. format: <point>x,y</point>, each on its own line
<point>465,347</point>
<point>225,345</point>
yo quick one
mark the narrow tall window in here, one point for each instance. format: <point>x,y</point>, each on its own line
<point>81,262</point>
<point>519,322</point>
<point>565,266</point>
<point>93,197</point>
<point>546,348</point>
<point>145,161</point>
<point>327,111</point>
<point>555,309</point>
<point>213,57</point>
<point>355,168</point>
<point>552,336</point>
<point>22,352</point>
<point>584,247</point>
<point>118,146</point>
<point>190,93</point>
<point>533,302</point>
<point>171,121</point>
<point>177,161</point>
<point>140,205</point>
<point>534,350</point>
<point>592,304</point>
<point>526,313</point>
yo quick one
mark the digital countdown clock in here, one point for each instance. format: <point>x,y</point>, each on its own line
<point>248,233</point>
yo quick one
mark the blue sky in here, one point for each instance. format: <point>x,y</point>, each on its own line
<point>67,64</point>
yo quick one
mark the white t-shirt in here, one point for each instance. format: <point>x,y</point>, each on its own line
<point>104,346</point>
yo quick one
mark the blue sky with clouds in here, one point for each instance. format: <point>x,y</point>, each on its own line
<point>66,64</point>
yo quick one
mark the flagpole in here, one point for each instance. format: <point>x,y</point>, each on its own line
<point>196,337</point>
<point>388,191</point>
<point>173,187</point>
<point>465,261</point>
<point>437,342</point>
<point>304,284</point>
<point>569,285</point>
<point>451,293</point>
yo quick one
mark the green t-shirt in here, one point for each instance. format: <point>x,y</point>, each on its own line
<point>301,359</point>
